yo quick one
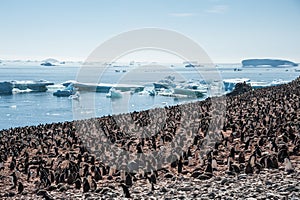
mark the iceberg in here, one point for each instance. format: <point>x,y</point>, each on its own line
<point>268,63</point>
<point>103,87</point>
<point>113,93</point>
<point>34,86</point>
<point>68,91</point>
<point>6,87</point>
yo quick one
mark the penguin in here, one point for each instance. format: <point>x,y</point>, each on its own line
<point>252,159</point>
<point>123,175</point>
<point>97,174</point>
<point>232,152</point>
<point>125,190</point>
<point>257,150</point>
<point>139,148</point>
<point>14,180</point>
<point>241,157</point>
<point>174,164</point>
<point>85,185</point>
<point>214,164</point>
<point>20,188</point>
<point>275,162</point>
<point>12,164</point>
<point>180,165</point>
<point>94,185</point>
<point>128,180</point>
<point>209,168</point>
<point>282,154</point>
<point>247,144</point>
<point>52,177</point>
<point>242,137</point>
<point>249,169</point>
<point>1,163</point>
<point>189,153</point>
<point>153,178</point>
<point>78,184</point>
<point>288,166</point>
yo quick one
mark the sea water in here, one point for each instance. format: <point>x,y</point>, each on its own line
<point>27,108</point>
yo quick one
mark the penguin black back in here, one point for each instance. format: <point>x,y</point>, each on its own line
<point>86,186</point>
<point>125,190</point>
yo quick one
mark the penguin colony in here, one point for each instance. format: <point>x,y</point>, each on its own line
<point>115,153</point>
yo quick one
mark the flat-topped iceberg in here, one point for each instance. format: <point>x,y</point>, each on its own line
<point>103,87</point>
<point>268,63</point>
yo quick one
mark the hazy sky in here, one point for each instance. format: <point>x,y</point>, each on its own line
<point>228,31</point>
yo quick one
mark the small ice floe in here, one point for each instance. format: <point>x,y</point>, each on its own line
<point>55,87</point>
<point>113,93</point>
<point>13,107</point>
<point>75,96</point>
<point>16,90</point>
<point>148,92</point>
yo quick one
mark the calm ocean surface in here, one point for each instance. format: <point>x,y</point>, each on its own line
<point>22,109</point>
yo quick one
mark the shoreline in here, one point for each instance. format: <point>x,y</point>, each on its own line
<point>249,153</point>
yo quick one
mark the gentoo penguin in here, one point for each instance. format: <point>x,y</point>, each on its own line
<point>20,188</point>
<point>125,190</point>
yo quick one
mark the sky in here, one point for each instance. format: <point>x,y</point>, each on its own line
<point>228,30</point>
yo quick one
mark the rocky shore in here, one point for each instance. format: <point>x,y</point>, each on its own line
<point>176,152</point>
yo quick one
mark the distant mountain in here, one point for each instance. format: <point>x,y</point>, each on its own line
<point>268,63</point>
<point>50,60</point>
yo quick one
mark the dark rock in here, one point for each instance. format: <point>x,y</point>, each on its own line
<point>240,88</point>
